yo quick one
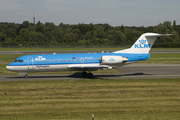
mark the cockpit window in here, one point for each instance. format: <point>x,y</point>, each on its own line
<point>18,61</point>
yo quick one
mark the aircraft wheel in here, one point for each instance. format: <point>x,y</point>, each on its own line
<point>26,76</point>
<point>84,74</point>
<point>90,75</point>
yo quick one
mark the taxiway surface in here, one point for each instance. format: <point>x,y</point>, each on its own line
<point>132,71</point>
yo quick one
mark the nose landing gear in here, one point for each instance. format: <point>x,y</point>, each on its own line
<point>26,76</point>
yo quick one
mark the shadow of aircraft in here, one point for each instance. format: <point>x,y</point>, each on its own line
<point>79,75</point>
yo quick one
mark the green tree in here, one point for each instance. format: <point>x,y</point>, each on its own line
<point>69,38</point>
<point>25,24</point>
<point>39,27</point>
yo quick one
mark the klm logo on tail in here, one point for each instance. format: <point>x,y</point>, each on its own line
<point>142,44</point>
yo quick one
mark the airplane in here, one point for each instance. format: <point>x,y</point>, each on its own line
<point>85,61</point>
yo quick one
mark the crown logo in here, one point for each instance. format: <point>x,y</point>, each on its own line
<point>142,41</point>
<point>111,59</point>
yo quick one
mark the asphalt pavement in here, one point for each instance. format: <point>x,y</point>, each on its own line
<point>131,71</point>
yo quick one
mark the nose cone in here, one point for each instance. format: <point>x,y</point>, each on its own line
<point>10,68</point>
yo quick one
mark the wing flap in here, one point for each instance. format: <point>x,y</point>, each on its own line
<point>88,67</point>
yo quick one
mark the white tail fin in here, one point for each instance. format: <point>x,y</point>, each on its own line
<point>143,44</point>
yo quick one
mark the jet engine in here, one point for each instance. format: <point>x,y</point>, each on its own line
<point>113,59</point>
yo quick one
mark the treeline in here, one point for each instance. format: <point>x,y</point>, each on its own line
<point>84,34</point>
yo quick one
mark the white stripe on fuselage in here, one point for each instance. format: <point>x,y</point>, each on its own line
<point>45,68</point>
<point>52,68</point>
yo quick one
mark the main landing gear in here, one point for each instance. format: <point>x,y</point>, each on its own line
<point>89,75</point>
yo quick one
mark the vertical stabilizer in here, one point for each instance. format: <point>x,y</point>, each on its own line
<point>143,44</point>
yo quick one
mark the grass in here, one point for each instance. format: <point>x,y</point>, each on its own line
<point>78,100</point>
<point>165,49</point>
<point>9,57</point>
<point>4,71</point>
<point>173,58</point>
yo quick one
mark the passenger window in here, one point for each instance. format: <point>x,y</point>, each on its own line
<point>63,60</point>
<point>56,61</point>
<point>74,60</point>
<point>66,60</point>
<point>48,61</point>
<point>53,61</point>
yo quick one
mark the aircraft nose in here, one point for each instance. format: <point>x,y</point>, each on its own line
<point>10,68</point>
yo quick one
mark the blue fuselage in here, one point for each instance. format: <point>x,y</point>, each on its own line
<point>81,58</point>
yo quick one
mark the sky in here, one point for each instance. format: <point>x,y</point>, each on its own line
<point>114,12</point>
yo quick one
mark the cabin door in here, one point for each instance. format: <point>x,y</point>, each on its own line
<point>30,63</point>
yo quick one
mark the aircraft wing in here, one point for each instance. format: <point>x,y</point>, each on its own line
<point>80,67</point>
